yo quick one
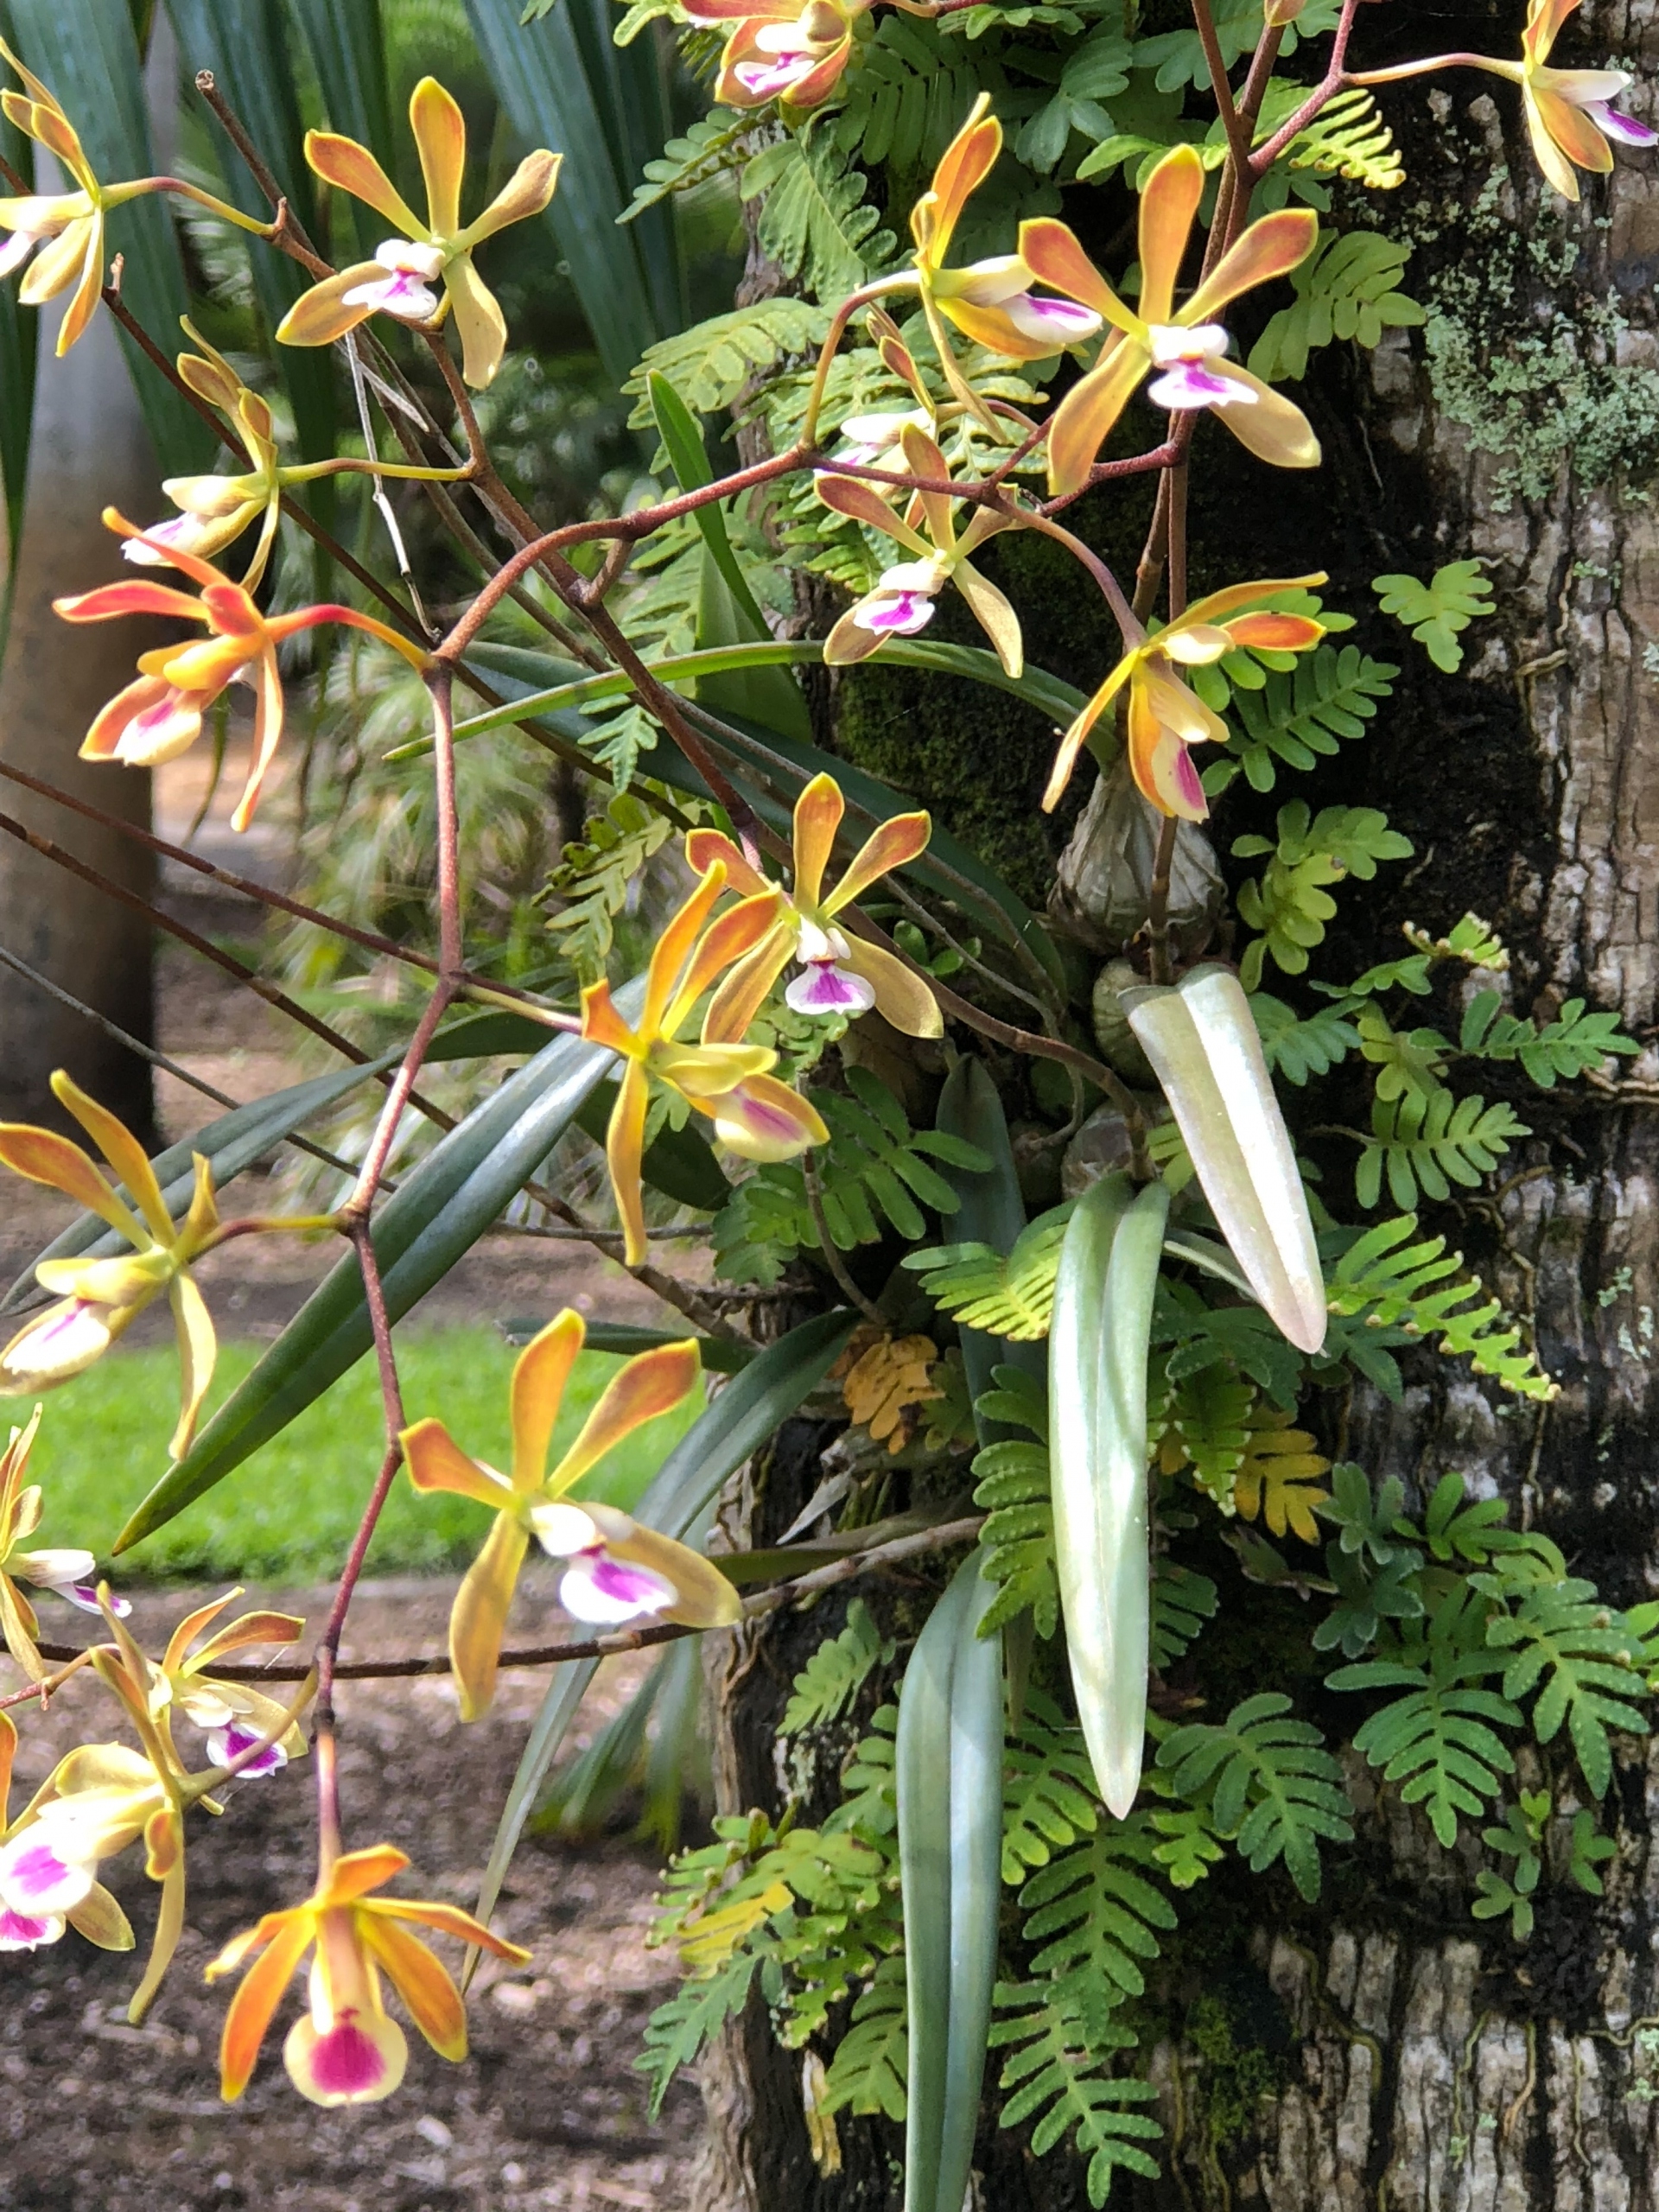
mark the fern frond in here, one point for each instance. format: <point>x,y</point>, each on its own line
<point>1349,138</point>
<point>1268,1783</point>
<point>1048,1789</point>
<point>1297,1047</point>
<point>713,142</point>
<point>1011,1297</point>
<point>1437,612</point>
<point>1581,1659</point>
<point>1094,1912</point>
<point>1288,902</point>
<point>710,364</point>
<point>1425,1141</point>
<point>814,221</point>
<point>1563,1048</point>
<point>1278,1475</point>
<point>1182,1600</point>
<point>1053,2070</point>
<point>1012,1491</point>
<point>1345,288</point>
<point>679,2028</point>
<point>867,2073</point>
<point>836,1672</point>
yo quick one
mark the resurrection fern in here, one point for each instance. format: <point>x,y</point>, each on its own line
<point>1268,1784</point>
<point>1012,1489</point>
<point>1425,1141</point>
<point>1092,1914</point>
<point>1300,715</point>
<point>1558,1050</point>
<point>867,2073</point>
<point>1422,1288</point>
<point>873,1173</point>
<point>1349,138</point>
<point>1010,1296</point>
<point>594,879</point>
<point>1438,612</point>
<point>1278,1477</point>
<point>836,1673</point>
<point>1581,1663</point>
<point>710,364</point>
<point>1346,289</point>
<point>1209,1430</point>
<point>1297,1047</point>
<point>1288,902</point>
<point>1241,1337</point>
<point>1182,1600</point>
<point>1054,2070</point>
<point>698,2010</point>
<point>1048,1786</point>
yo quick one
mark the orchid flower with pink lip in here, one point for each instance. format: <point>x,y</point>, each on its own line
<point>840,974</point>
<point>160,715</point>
<point>901,603</point>
<point>39,1895</point>
<point>98,1300</point>
<point>235,1716</point>
<point>617,1570</point>
<point>399,281</point>
<point>345,2049</point>
<point>1185,344</point>
<point>67,1572</point>
<point>779,49</point>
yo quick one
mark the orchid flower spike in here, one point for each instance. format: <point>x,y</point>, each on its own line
<point>398,281</point>
<point>67,1572</point>
<point>779,49</point>
<point>235,1716</point>
<point>754,1114</point>
<point>344,2049</point>
<point>67,226</point>
<point>873,439</point>
<point>98,1299</point>
<point>1187,346</point>
<point>1164,717</point>
<point>618,1571</point>
<point>49,1859</point>
<point>840,973</point>
<point>1570,112</point>
<point>902,600</point>
<point>160,715</point>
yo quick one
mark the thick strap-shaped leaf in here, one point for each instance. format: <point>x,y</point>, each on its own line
<point>439,1212</point>
<point>949,1771</point>
<point>1097,1348</point>
<point>992,1212</point>
<point>230,1144</point>
<point>740,1419</point>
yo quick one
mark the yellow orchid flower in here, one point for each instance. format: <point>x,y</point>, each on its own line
<point>48,1860</point>
<point>991,302</point>
<point>97,1299</point>
<point>873,439</point>
<point>1186,345</point>
<point>840,974</point>
<point>1164,717</point>
<point>69,226</point>
<point>1570,112</point>
<point>344,2049</point>
<point>755,1115</point>
<point>235,1716</point>
<point>902,601</point>
<point>779,49</point>
<point>160,715</point>
<point>617,1570</point>
<point>66,1572</point>
<point>398,281</point>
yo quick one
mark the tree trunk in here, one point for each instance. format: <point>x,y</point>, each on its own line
<point>1384,2048</point>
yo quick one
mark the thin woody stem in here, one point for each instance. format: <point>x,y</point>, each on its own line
<point>866,296</point>
<point>832,1260</point>
<point>1334,80</point>
<point>1237,130</point>
<point>1158,903</point>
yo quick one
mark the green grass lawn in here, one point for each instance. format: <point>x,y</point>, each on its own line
<point>288,1512</point>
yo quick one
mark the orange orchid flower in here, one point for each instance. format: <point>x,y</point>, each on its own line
<point>755,1115</point>
<point>840,973</point>
<point>235,1716</point>
<point>49,1855</point>
<point>398,281</point>
<point>1164,717</point>
<point>618,1571</point>
<point>1185,344</point>
<point>344,2049</point>
<point>160,715</point>
<point>901,603</point>
<point>779,49</point>
<point>66,1572</point>
<point>98,1299</point>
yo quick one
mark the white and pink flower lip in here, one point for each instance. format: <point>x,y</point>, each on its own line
<point>1064,321</point>
<point>228,1743</point>
<point>1189,383</point>
<point>1613,124</point>
<point>44,1872</point>
<point>18,245</point>
<point>405,290</point>
<point>24,1931</point>
<point>872,438</point>
<point>824,985</point>
<point>597,1586</point>
<point>71,1335</point>
<point>902,602</point>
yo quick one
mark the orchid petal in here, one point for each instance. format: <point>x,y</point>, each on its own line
<point>861,502</point>
<point>436,1462</point>
<point>526,193</point>
<point>1169,202</point>
<point>421,1980</point>
<point>478,1619</point>
<point>601,1022</point>
<point>705,847</point>
<point>1274,429</point>
<point>479,319</point>
<point>995,615</point>
<point>355,1873</point>
<point>901,997</point>
<point>822,986</point>
<point>1088,414</point>
<point>120,1147</point>
<point>1275,633</point>
<point>198,1353</point>
<point>674,949</point>
<point>850,642</point>
<point>624,1147</point>
<point>539,1376</point>
<point>1271,247</point>
<point>267,734</point>
<point>101,1921</point>
<point>45,1157</point>
<point>136,597</point>
<point>962,168</point>
<point>817,817</point>
<point>447,1920</point>
<point>893,844</point>
<point>1220,605</point>
<point>440,131</point>
<point>744,988</point>
<point>342,163</point>
<point>357,2060</point>
<point>701,1595</point>
<point>737,932</point>
<point>249,2013</point>
<point>654,1382</point>
<point>322,314</point>
<point>763,1119</point>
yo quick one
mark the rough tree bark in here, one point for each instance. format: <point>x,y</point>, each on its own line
<point>1384,2048</point>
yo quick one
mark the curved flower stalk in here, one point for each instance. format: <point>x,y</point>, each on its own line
<point>779,50</point>
<point>992,302</point>
<point>47,1882</point>
<point>234,1716</point>
<point>902,601</point>
<point>344,2049</point>
<point>214,510</point>
<point>1186,345</point>
<point>839,973</point>
<point>618,1571</point>
<point>160,715</point>
<point>755,1115</point>
<point>66,1571</point>
<point>97,1299</point>
<point>872,441</point>
<point>1570,112</point>
<point>67,228</point>
<point>1164,717</point>
<point>398,281</point>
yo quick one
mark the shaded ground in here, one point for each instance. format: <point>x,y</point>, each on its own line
<point>547,2113</point>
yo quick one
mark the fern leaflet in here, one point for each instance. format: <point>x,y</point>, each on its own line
<point>1268,1783</point>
